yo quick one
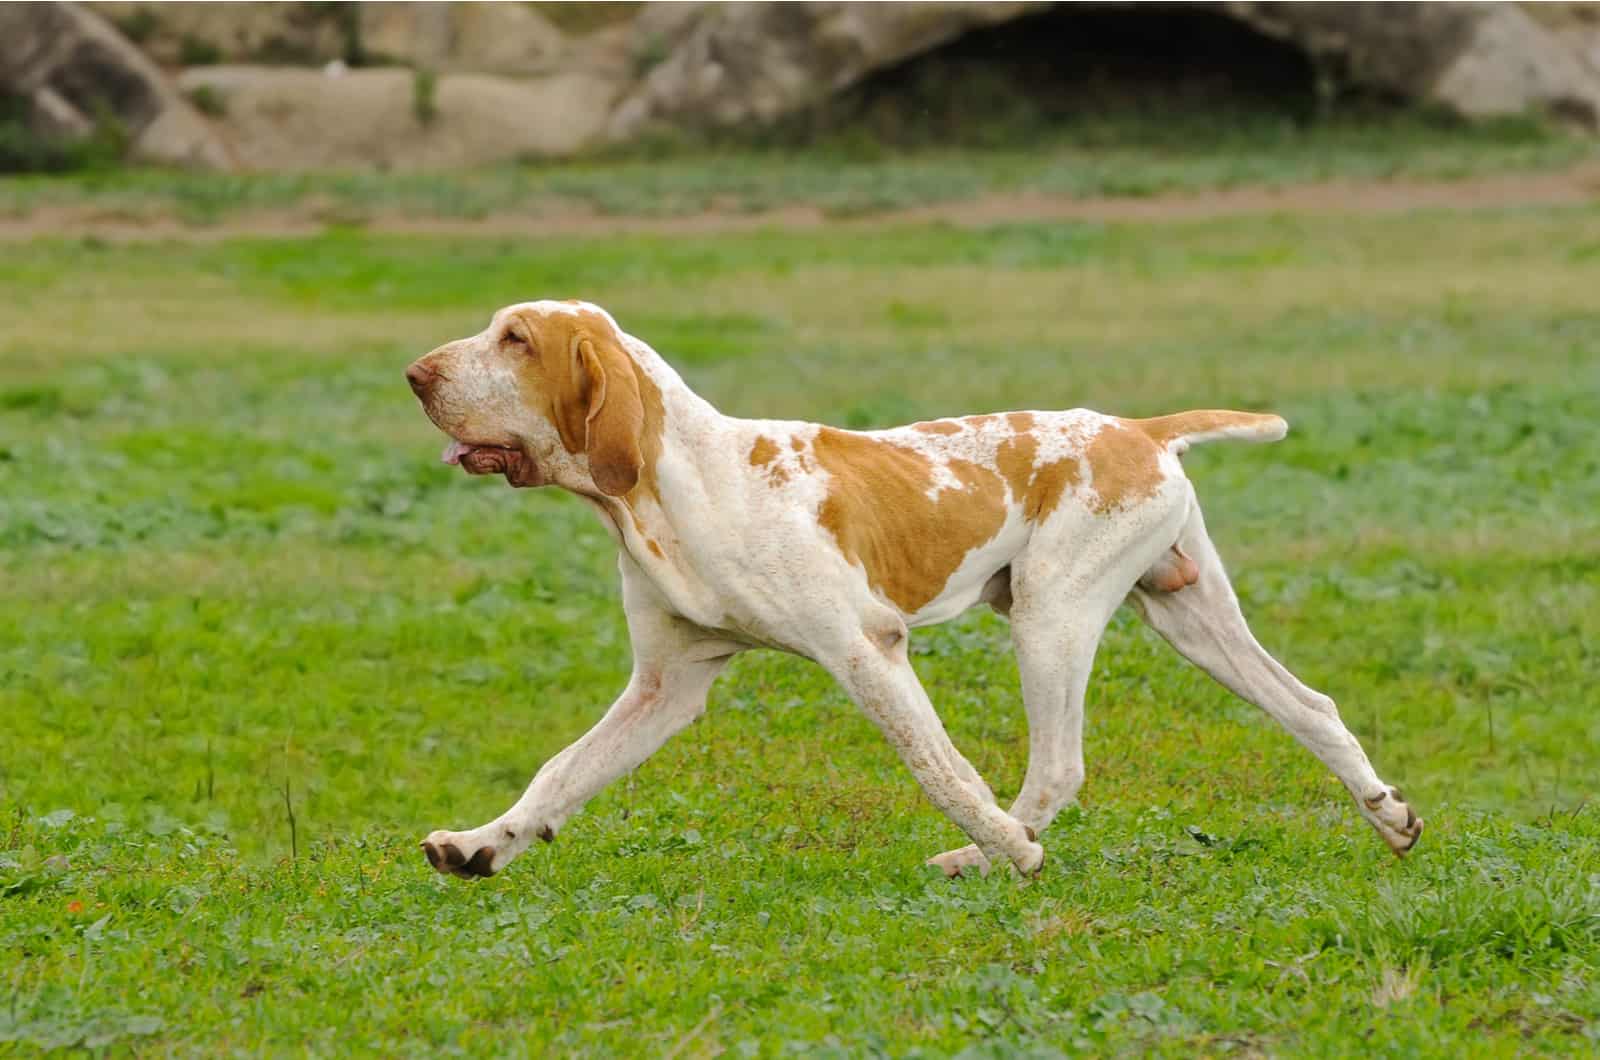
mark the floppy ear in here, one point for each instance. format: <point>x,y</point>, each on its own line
<point>615,419</point>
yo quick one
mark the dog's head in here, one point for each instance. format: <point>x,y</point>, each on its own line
<point>547,392</point>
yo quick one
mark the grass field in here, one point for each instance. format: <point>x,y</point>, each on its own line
<point>843,176</point>
<point>255,642</point>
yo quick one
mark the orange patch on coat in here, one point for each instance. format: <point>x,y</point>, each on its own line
<point>1015,458</point>
<point>879,513</point>
<point>764,452</point>
<point>1020,422</point>
<point>937,427</point>
<point>1050,484</point>
<point>1125,466</point>
<point>1037,489</point>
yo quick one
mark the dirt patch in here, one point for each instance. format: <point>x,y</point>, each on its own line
<point>1564,188</point>
<point>1573,187</point>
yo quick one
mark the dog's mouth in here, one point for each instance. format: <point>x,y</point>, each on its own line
<point>518,468</point>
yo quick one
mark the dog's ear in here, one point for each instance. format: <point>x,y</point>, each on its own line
<point>614,417</point>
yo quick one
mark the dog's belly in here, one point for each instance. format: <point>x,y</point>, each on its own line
<point>966,584</point>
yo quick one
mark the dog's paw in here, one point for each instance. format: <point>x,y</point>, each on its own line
<point>460,854</point>
<point>968,861</point>
<point>1395,821</point>
<point>1032,861</point>
<point>971,861</point>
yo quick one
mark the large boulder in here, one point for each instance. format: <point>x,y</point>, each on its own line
<point>288,119</point>
<point>501,38</point>
<point>729,64</point>
<point>1477,59</point>
<point>491,38</point>
<point>77,71</point>
<point>255,31</point>
<point>465,84</point>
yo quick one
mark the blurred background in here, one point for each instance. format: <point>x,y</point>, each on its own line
<point>255,640</point>
<point>307,87</point>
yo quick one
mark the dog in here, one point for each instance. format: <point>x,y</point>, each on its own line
<point>832,544</point>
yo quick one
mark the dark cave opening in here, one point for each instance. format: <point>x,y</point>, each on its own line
<point>1113,69</point>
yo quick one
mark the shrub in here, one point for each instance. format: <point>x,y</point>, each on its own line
<point>138,25</point>
<point>423,88</point>
<point>24,150</point>
<point>197,51</point>
<point>207,100</point>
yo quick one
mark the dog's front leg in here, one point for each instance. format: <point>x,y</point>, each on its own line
<point>876,672</point>
<point>674,665</point>
<point>659,701</point>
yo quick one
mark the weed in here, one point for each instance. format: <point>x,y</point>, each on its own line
<point>197,51</point>
<point>207,100</point>
<point>424,104</point>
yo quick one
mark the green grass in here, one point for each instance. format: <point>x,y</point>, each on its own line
<point>235,581</point>
<point>843,177</point>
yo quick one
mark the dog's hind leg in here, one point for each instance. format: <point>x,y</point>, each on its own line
<point>1059,603</point>
<point>1203,622</point>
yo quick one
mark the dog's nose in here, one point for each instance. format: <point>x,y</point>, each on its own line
<point>420,376</point>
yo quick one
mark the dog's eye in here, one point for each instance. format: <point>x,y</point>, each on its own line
<point>513,339</point>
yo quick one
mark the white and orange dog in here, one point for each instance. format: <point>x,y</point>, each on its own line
<point>833,544</point>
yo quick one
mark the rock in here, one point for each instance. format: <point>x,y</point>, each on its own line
<point>509,38</point>
<point>1511,64</point>
<point>503,82</point>
<point>500,38</point>
<point>76,71</point>
<point>726,64</point>
<point>1479,60</point>
<point>251,32</point>
<point>286,119</point>
<point>742,62</point>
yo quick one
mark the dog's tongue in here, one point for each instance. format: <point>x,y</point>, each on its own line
<point>454,452</point>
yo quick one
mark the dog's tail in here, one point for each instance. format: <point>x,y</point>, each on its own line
<point>1183,429</point>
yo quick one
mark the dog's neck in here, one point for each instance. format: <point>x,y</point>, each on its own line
<point>682,434</point>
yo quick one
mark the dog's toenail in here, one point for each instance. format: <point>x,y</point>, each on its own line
<point>1033,837</point>
<point>1397,796</point>
<point>1411,818</point>
<point>547,834</point>
<point>510,834</point>
<point>432,852</point>
<point>1376,800</point>
<point>453,856</point>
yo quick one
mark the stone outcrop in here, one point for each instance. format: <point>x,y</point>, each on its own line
<point>487,38</point>
<point>256,31</point>
<point>464,84</point>
<point>727,64</point>
<point>493,38</point>
<point>298,119</point>
<point>75,70</point>
<point>1479,60</point>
